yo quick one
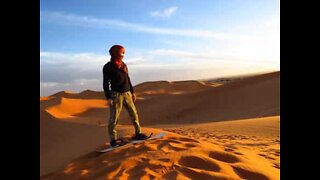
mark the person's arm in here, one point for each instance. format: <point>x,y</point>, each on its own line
<point>134,98</point>
<point>106,83</point>
<point>130,84</point>
<point>131,87</point>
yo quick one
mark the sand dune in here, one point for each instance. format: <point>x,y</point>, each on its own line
<point>161,87</point>
<point>216,130</point>
<point>257,96</point>
<point>64,94</point>
<point>161,102</point>
<point>69,108</point>
<point>173,157</point>
<point>62,141</point>
<point>45,98</point>
<point>87,94</point>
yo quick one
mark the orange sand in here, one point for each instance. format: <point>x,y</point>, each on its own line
<point>214,131</point>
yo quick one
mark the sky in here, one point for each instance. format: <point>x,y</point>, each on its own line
<point>169,40</point>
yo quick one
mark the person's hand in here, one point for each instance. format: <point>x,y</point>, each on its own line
<point>134,97</point>
<point>110,102</point>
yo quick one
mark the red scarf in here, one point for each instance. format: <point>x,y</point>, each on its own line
<point>120,65</point>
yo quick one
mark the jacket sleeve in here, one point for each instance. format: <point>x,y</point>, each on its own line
<point>106,82</point>
<point>131,87</point>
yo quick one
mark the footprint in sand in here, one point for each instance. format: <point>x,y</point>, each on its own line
<point>199,163</point>
<point>224,157</point>
<point>190,173</point>
<point>184,139</point>
<point>173,144</point>
<point>140,170</point>
<point>262,154</point>
<point>172,140</point>
<point>247,173</point>
<point>238,153</point>
<point>190,145</point>
<point>164,159</point>
<point>228,149</point>
<point>266,156</point>
<point>169,147</point>
<point>277,153</point>
<point>112,170</point>
<point>276,165</point>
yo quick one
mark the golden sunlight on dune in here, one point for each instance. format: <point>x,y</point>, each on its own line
<point>42,98</point>
<point>68,108</point>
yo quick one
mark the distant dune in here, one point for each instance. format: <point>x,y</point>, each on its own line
<point>221,129</point>
<point>183,102</point>
<point>87,94</point>
<point>169,87</point>
<point>45,98</point>
<point>257,96</point>
<point>68,108</point>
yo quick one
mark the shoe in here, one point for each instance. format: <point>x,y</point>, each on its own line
<point>113,143</point>
<point>118,142</point>
<point>140,136</point>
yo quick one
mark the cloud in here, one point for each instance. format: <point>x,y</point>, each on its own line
<point>202,56</point>
<point>58,67</point>
<point>165,13</point>
<point>78,60</point>
<point>71,19</point>
<point>273,23</point>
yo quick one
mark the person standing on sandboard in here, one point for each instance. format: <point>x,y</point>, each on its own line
<point>115,72</point>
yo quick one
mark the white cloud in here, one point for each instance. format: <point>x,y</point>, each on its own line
<point>71,19</point>
<point>48,84</point>
<point>165,13</point>
<point>273,23</point>
<point>56,67</point>
<point>81,61</point>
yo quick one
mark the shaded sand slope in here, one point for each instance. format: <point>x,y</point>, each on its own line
<point>173,157</point>
<point>62,141</point>
<point>257,96</point>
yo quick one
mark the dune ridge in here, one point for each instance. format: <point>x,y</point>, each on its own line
<point>257,96</point>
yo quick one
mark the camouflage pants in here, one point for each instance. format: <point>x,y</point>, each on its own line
<point>119,100</point>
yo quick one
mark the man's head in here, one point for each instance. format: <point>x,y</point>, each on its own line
<point>117,52</point>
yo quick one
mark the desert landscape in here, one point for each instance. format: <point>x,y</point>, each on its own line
<point>226,128</point>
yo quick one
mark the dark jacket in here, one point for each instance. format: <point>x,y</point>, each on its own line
<point>118,78</point>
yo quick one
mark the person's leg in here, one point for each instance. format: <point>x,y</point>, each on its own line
<point>115,111</point>
<point>131,108</point>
